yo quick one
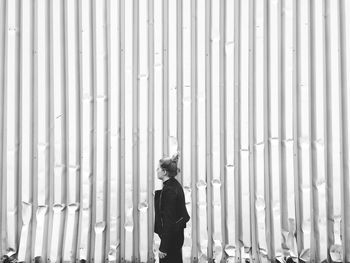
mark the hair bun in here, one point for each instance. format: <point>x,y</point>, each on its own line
<point>175,157</point>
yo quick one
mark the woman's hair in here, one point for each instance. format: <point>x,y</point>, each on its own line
<point>169,164</point>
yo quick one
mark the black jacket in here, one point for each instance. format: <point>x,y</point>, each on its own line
<point>171,214</point>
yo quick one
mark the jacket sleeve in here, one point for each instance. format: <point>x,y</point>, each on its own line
<point>157,223</point>
<point>169,201</point>
<point>181,222</point>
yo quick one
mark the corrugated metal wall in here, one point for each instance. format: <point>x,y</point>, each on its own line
<point>253,94</point>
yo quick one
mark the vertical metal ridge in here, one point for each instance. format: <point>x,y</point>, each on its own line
<point>269,222</point>
<point>107,143</point>
<point>237,128</point>
<point>135,131</point>
<point>34,123</point>
<point>79,142</point>
<point>208,123</point>
<point>48,132</point>
<point>314,211</point>
<point>252,134</point>
<point>3,146</point>
<point>165,77</point>
<point>327,121</point>
<point>223,141</point>
<point>282,125</point>
<point>296,128</point>
<point>18,116</point>
<point>150,158</point>
<point>179,80</point>
<point>344,144</point>
<point>65,127</point>
<point>51,129</point>
<point>93,117</point>
<point>121,150</point>
<point>194,132</point>
<point>45,160</point>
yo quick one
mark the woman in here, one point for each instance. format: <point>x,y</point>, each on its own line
<point>170,212</point>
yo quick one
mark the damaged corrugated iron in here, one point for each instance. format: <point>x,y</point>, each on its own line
<point>253,94</point>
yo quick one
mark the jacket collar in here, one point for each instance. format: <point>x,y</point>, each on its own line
<point>167,181</point>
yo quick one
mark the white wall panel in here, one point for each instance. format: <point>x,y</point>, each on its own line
<point>253,94</point>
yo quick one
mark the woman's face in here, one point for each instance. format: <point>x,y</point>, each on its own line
<point>160,173</point>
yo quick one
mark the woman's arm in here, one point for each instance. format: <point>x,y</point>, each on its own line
<point>157,221</point>
<point>184,216</point>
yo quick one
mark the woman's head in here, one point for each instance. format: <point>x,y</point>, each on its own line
<point>168,166</point>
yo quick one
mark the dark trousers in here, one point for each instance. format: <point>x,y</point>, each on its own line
<point>174,255</point>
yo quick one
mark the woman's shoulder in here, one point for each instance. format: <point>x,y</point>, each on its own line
<point>176,187</point>
<point>171,189</point>
<point>178,184</point>
<point>157,193</point>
